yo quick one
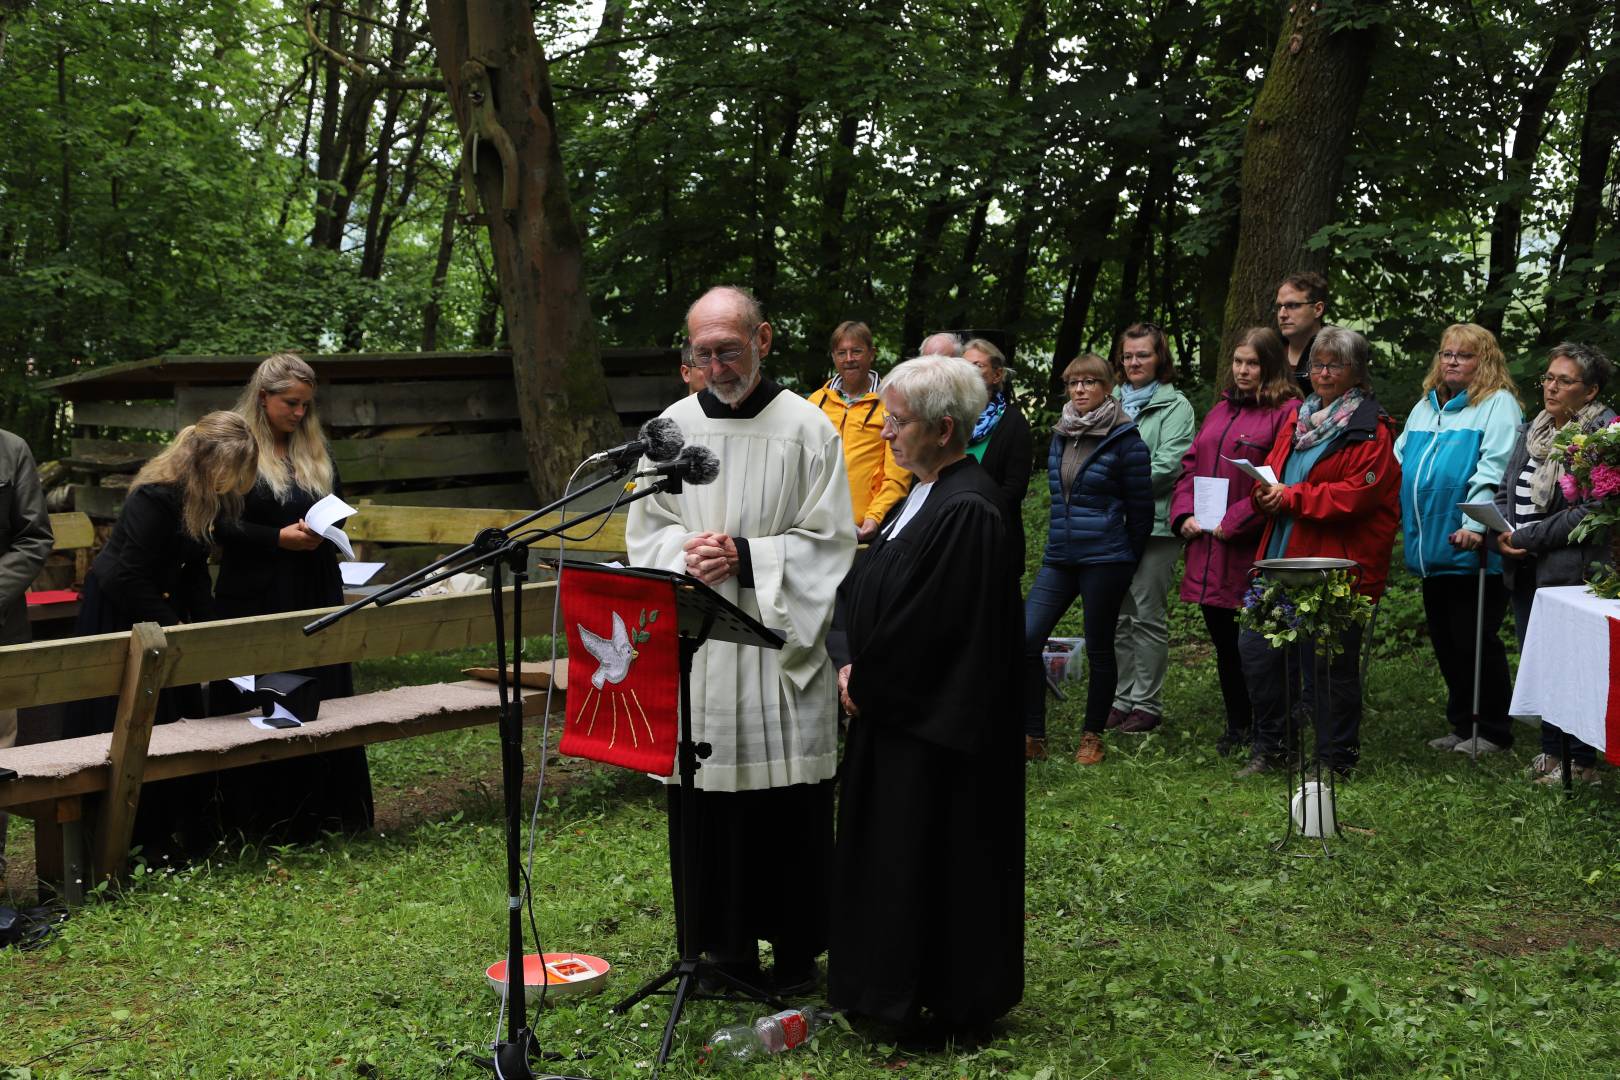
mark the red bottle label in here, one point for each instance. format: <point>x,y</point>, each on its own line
<point>793,1029</point>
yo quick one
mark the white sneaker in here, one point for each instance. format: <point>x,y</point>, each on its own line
<point>1541,765</point>
<point>1485,746</point>
<point>1448,741</point>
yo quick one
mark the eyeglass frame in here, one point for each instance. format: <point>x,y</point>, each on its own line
<point>1329,366</point>
<point>1081,381</point>
<point>1547,378</point>
<point>892,421</point>
<point>1453,354</point>
<point>691,358</point>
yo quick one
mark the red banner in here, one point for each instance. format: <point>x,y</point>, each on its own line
<point>1611,718</point>
<point>623,669</point>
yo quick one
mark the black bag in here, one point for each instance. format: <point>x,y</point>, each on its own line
<point>29,928</point>
<point>298,694</point>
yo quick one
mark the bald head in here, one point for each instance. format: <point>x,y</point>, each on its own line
<point>727,336</point>
<point>727,301</point>
<point>941,344</point>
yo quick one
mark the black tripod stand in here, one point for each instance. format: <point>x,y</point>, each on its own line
<point>703,614</point>
<point>506,549</point>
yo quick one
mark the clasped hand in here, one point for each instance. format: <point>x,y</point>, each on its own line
<point>711,557</point>
<point>1269,497</point>
<point>299,537</point>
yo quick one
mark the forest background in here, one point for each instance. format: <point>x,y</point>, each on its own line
<point>178,176</point>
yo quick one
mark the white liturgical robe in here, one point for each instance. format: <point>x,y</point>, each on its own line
<point>770,716</point>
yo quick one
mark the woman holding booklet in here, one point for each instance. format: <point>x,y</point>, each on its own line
<point>273,561</point>
<point>1211,509</point>
<point>1454,450</point>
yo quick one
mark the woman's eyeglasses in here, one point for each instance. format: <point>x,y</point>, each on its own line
<point>1562,382</point>
<point>1083,384</point>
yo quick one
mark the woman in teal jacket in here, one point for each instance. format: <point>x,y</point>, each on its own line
<point>1453,450</point>
<point>1165,419</point>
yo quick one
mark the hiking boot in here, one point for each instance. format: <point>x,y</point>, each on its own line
<point>1091,750</point>
<point>1448,741</point>
<point>1034,748</point>
<point>1138,722</point>
<point>1479,744</point>
<point>1116,717</point>
<point>1257,765</point>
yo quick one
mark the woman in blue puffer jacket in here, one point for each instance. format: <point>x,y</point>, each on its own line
<point>1453,450</point>
<point>1098,469</point>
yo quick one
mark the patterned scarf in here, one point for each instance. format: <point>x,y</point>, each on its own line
<point>989,418</point>
<point>1099,421</point>
<point>1323,424</point>
<point>1133,399</point>
<point>1539,441</point>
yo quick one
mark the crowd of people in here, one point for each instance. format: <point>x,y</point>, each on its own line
<point>921,641</point>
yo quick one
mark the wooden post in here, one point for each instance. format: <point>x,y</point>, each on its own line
<point>149,663</point>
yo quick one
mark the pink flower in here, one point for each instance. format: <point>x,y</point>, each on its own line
<point>1605,481</point>
<point>1566,484</point>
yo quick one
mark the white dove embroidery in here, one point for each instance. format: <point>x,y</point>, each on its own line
<point>612,656</point>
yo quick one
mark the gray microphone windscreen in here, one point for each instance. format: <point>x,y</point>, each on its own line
<point>701,465</point>
<point>664,438</point>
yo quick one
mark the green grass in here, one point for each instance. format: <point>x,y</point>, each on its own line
<point>1465,927</point>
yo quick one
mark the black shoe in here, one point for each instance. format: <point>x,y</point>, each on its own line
<point>791,980</point>
<point>1230,742</point>
<point>1258,764</point>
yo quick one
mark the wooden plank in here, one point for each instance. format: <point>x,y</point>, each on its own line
<point>154,375</point>
<point>117,451</point>
<point>72,530</point>
<point>519,495</point>
<point>144,415</point>
<point>144,672</point>
<point>645,393</point>
<point>386,403</point>
<point>101,503</point>
<point>365,460</point>
<point>424,525</point>
<point>72,669</point>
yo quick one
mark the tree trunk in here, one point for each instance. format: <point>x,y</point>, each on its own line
<point>922,282</point>
<point>840,176</point>
<point>777,180</point>
<point>1293,158</point>
<point>539,259</point>
<point>1090,230</point>
<point>1508,221</point>
<point>1599,129</point>
<point>441,269</point>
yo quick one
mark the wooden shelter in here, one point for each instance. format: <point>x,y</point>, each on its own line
<point>416,429</point>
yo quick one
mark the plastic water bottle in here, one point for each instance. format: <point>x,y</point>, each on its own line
<point>769,1034</point>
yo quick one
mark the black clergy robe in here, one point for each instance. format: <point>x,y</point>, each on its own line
<point>928,898</point>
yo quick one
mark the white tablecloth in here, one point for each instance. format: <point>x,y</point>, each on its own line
<point>1564,674</point>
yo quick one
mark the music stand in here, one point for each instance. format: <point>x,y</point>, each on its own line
<point>702,615</point>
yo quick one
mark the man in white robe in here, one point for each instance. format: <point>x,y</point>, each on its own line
<point>775,535</point>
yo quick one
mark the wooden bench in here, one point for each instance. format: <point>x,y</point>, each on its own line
<point>91,785</point>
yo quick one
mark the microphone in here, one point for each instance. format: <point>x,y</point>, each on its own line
<point>659,439</point>
<point>693,465</point>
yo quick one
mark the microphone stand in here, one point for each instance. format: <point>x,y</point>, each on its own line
<point>498,549</point>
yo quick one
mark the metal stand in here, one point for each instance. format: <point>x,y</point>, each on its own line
<point>690,971</point>
<point>1479,650</point>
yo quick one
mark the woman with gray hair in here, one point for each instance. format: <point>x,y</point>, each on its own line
<point>929,863</point>
<point>1538,551</point>
<point>1337,496</point>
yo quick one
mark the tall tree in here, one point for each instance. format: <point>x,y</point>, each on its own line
<point>500,91</point>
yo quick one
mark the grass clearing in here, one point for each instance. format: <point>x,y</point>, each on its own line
<point>1466,927</point>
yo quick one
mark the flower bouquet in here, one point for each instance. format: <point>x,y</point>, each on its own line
<point>1591,477</point>
<point>1321,612</point>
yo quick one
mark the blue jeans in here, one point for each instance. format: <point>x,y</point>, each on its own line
<point>1335,708</point>
<point>1101,588</point>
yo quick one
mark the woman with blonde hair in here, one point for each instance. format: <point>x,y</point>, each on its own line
<point>272,562</point>
<point>1454,449</point>
<point>155,569</point>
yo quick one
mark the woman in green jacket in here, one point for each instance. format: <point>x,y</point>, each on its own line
<point>1165,419</point>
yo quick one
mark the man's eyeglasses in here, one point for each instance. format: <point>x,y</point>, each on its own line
<point>1452,354</point>
<point>1563,382</point>
<point>1293,305</point>
<point>1329,366</point>
<point>1086,383</point>
<point>728,355</point>
<point>852,354</point>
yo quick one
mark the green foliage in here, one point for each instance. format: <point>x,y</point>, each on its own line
<point>1322,612</point>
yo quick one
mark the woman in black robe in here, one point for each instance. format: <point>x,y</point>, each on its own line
<point>272,562</point>
<point>154,568</point>
<point>928,906</point>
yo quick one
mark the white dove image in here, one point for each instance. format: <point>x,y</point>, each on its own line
<point>612,656</point>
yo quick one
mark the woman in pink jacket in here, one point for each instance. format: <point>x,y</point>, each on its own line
<point>1249,409</point>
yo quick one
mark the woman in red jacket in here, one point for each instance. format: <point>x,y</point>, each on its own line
<point>1338,497</point>
<point>1252,402</point>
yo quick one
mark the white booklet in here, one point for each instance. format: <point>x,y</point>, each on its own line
<point>358,573</point>
<point>1487,515</point>
<point>1209,501</point>
<point>323,517</point>
<point>1263,473</point>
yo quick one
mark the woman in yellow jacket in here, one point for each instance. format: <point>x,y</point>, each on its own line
<point>850,400</point>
